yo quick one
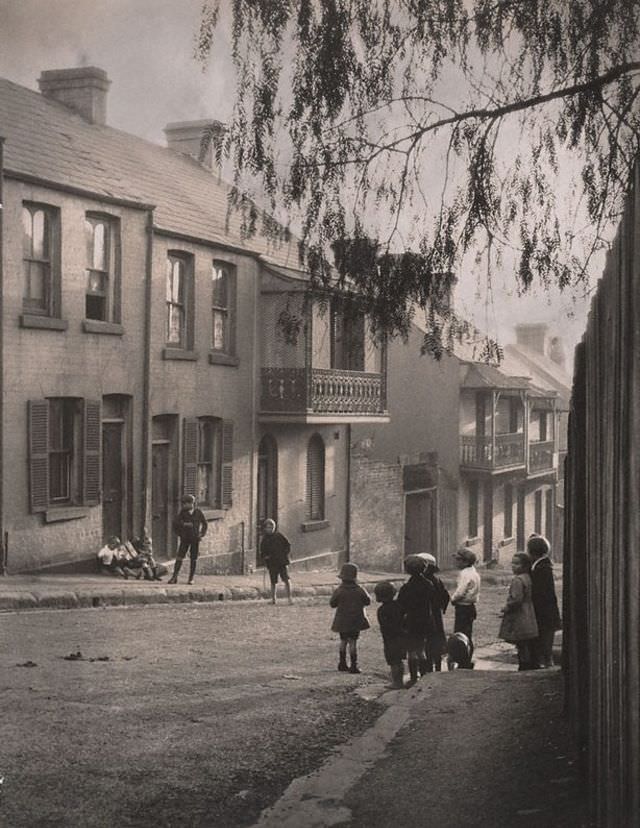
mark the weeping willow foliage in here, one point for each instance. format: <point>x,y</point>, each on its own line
<point>342,105</point>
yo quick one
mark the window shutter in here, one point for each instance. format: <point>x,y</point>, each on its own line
<point>91,455</point>
<point>38,414</point>
<point>227,463</point>
<point>315,478</point>
<point>190,457</point>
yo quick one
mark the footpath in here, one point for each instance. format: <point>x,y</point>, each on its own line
<point>49,591</point>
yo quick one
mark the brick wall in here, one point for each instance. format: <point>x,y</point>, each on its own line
<point>377,514</point>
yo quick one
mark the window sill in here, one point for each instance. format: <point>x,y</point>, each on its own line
<point>58,513</point>
<point>179,353</point>
<point>474,541</point>
<point>47,323</point>
<point>314,525</point>
<point>217,358</point>
<point>213,514</point>
<point>97,327</point>
<point>506,541</point>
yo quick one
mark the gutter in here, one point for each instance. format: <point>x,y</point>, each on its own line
<point>146,382</point>
<point>3,539</point>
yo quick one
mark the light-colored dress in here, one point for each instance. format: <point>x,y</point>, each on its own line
<point>519,620</point>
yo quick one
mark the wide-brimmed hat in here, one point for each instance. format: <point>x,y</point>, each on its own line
<point>428,558</point>
<point>348,572</point>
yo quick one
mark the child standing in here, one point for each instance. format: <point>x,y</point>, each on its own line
<point>519,625</point>
<point>543,595</point>
<point>416,600</point>
<point>349,601</point>
<point>190,525</point>
<point>466,594</point>
<point>390,618</point>
<point>436,642</point>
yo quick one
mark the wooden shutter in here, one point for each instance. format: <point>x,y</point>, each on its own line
<point>38,416</point>
<point>91,480</point>
<point>190,457</point>
<point>315,478</point>
<point>226,474</point>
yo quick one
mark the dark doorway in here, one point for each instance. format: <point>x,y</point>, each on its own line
<point>112,479</point>
<point>267,483</point>
<point>520,531</point>
<point>164,483</point>
<point>419,535</point>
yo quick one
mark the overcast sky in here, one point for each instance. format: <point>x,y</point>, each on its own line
<point>146,47</point>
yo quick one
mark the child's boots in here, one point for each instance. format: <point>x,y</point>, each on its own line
<point>342,664</point>
<point>354,665</point>
<point>397,676</point>
<point>413,671</point>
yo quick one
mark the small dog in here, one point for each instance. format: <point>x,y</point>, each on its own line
<point>459,652</point>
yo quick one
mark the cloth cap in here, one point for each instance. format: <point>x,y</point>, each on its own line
<point>414,564</point>
<point>467,555</point>
<point>348,572</point>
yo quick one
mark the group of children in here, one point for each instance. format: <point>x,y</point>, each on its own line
<point>133,559</point>
<point>411,619</point>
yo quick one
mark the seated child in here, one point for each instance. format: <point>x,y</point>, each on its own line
<point>109,558</point>
<point>390,619</point>
<point>153,571</point>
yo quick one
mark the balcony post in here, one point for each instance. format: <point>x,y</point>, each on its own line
<point>494,406</point>
<point>308,351</point>
<point>525,426</point>
<point>383,372</point>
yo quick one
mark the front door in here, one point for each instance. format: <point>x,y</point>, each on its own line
<point>160,499</point>
<point>112,480</point>
<point>419,524</point>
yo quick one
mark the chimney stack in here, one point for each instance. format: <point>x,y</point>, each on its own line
<point>533,336</point>
<point>83,89</point>
<point>187,137</point>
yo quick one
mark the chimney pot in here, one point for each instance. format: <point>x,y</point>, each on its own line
<point>83,89</point>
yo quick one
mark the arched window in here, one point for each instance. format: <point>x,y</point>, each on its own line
<point>315,478</point>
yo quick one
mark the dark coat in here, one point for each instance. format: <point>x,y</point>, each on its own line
<point>390,619</point>
<point>190,526</point>
<point>274,550</point>
<point>416,598</point>
<point>543,595</point>
<point>439,604</point>
<point>349,600</point>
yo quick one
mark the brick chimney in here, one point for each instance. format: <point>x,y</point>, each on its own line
<point>187,137</point>
<point>83,89</point>
<point>533,336</point>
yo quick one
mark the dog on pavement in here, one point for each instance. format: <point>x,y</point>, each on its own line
<point>459,652</point>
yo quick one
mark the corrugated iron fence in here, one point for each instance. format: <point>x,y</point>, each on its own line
<point>602,536</point>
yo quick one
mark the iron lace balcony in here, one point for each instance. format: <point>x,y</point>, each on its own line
<point>488,453</point>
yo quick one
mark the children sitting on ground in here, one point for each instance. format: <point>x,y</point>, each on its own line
<point>545,602</point>
<point>349,601</point>
<point>153,571</point>
<point>390,620</point>
<point>416,599</point>
<point>466,594</point>
<point>111,559</point>
<point>519,625</point>
<point>436,641</point>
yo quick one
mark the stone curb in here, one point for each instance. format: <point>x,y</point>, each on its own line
<point>178,594</point>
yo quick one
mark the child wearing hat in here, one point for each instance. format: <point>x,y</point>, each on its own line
<point>466,594</point>
<point>519,625</point>
<point>349,601</point>
<point>390,620</point>
<point>437,641</point>
<point>190,525</point>
<point>416,600</point>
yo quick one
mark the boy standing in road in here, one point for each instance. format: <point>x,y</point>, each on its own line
<point>274,551</point>
<point>190,525</point>
<point>545,603</point>
<point>466,594</point>
<point>349,601</point>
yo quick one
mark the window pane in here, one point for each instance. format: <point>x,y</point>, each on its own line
<point>174,325</point>
<point>99,259</point>
<point>219,327</point>
<point>36,288</point>
<point>40,247</point>
<point>219,287</point>
<point>96,282</point>
<point>203,492</point>
<point>60,476</point>
<point>95,308</point>
<point>27,236</point>
<point>205,444</point>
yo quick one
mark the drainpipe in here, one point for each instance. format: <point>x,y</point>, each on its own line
<point>255,373</point>
<point>146,381</point>
<point>3,538</point>
<point>348,498</point>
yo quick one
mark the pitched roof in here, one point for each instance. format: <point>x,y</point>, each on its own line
<point>543,371</point>
<point>481,375</point>
<point>48,141</point>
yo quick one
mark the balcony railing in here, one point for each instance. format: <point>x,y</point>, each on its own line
<point>541,455</point>
<point>322,391</point>
<point>477,451</point>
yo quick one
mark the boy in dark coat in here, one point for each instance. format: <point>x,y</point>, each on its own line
<point>390,618</point>
<point>349,601</point>
<point>416,599</point>
<point>437,641</point>
<point>190,525</point>
<point>274,551</point>
<point>545,602</point>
